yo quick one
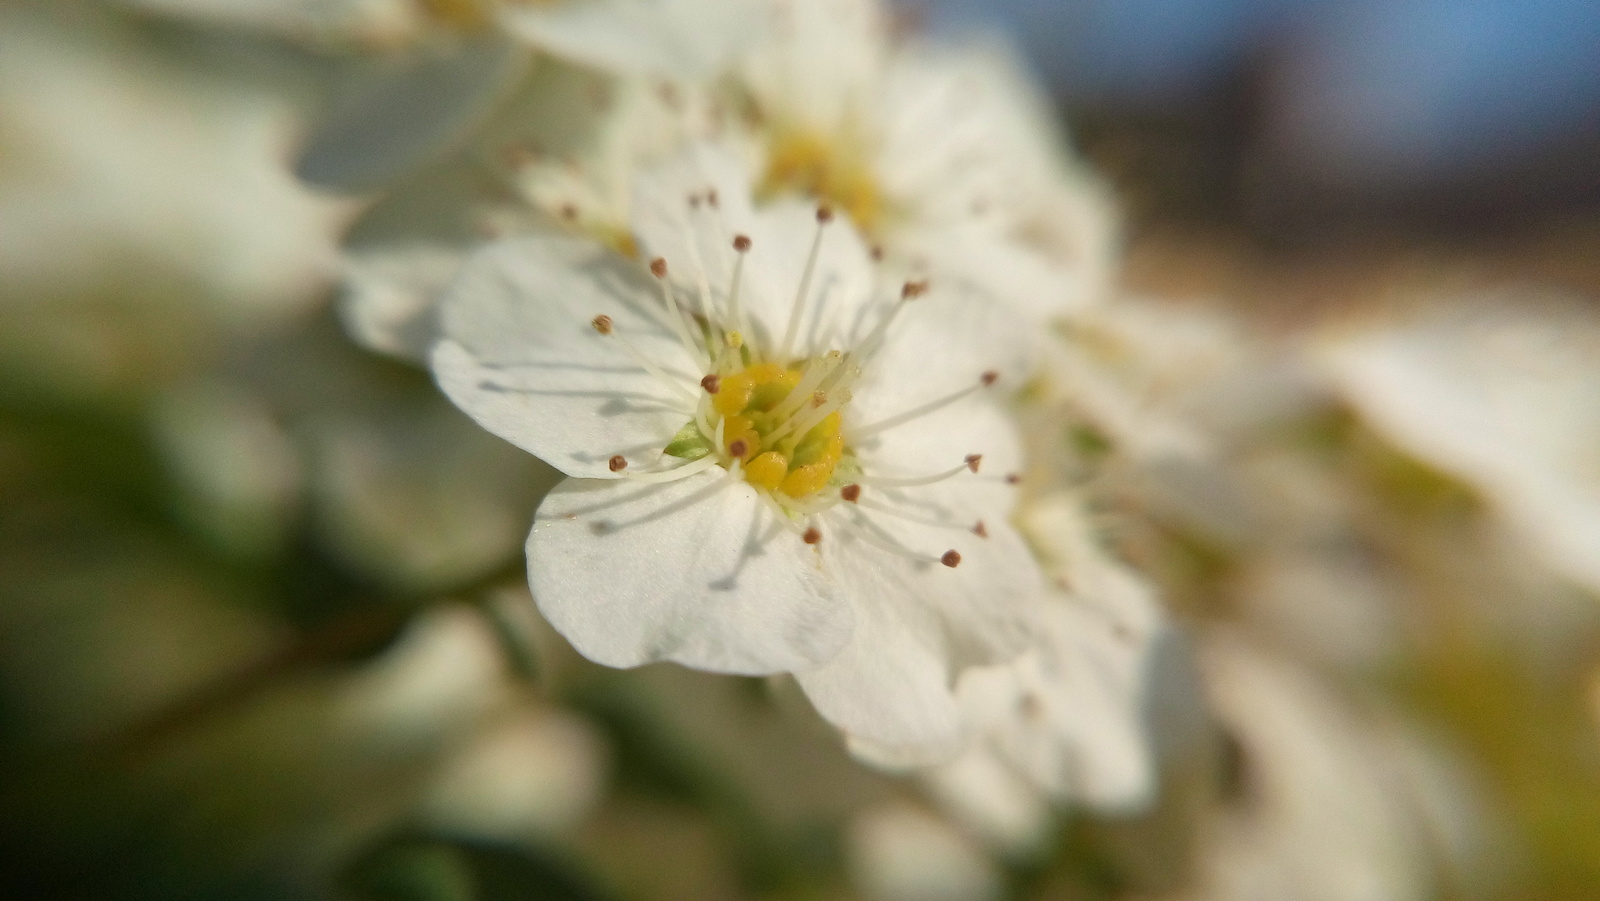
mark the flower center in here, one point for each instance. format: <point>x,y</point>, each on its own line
<point>781,424</point>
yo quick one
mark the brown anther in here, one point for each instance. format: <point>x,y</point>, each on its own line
<point>741,243</point>
<point>1013,478</point>
<point>812,536</point>
<point>602,324</point>
<point>824,214</point>
<point>951,558</point>
<point>973,460</point>
<point>913,289</point>
<point>569,212</point>
<point>877,253</point>
<point>738,448</point>
<point>658,267</point>
<point>1030,706</point>
<point>818,398</point>
<point>694,201</point>
<point>711,198</point>
<point>980,530</point>
<point>851,492</point>
<point>712,383</point>
<point>618,463</point>
<point>989,378</point>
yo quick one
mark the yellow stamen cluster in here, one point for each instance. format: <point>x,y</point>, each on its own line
<point>758,413</point>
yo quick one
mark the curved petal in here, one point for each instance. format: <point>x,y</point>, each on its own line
<point>694,571</point>
<point>888,691</point>
<point>918,623</point>
<point>391,296</point>
<point>520,354</point>
<point>672,38</point>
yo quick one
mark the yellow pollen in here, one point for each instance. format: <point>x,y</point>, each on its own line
<point>836,171</point>
<point>757,428</point>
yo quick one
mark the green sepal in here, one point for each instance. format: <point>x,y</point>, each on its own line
<point>688,443</point>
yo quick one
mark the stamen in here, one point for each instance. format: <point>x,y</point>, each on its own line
<point>812,535</point>
<point>824,216</point>
<point>618,463</point>
<point>1013,478</point>
<point>737,317</point>
<point>932,406</point>
<point>851,492</point>
<point>605,326</point>
<point>658,268</point>
<point>883,482</point>
<point>807,385</point>
<point>672,475</point>
<point>800,425</point>
<point>908,292</point>
<point>951,558</point>
<point>973,460</point>
<point>712,383</point>
<point>980,530</point>
<point>866,533</point>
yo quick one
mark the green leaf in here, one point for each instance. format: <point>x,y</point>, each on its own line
<point>689,443</point>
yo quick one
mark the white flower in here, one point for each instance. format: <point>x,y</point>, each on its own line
<point>1500,392</point>
<point>948,157</point>
<point>776,463</point>
<point>1065,720</point>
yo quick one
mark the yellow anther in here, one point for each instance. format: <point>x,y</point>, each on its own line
<point>767,470</point>
<point>734,340</point>
<point>821,443</point>
<point>733,394</point>
<point>772,393</point>
<point>738,430</point>
<point>763,373</point>
<point>808,479</point>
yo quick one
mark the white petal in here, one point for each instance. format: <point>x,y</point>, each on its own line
<point>888,691</point>
<point>391,296</point>
<point>393,121</point>
<point>521,356</point>
<point>918,624</point>
<point>672,38</point>
<point>695,571</point>
<point>1500,392</point>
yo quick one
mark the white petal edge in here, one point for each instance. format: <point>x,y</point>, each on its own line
<point>694,571</point>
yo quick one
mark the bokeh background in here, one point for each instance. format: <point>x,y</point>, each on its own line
<point>263,628</point>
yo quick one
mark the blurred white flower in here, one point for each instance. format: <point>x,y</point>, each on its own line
<point>898,852</point>
<point>774,465</point>
<point>1328,805</point>
<point>534,774</point>
<point>1499,391</point>
<point>123,159</point>
<point>235,470</point>
<point>948,158</point>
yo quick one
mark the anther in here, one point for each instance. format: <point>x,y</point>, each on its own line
<point>569,212</point>
<point>951,558</point>
<point>851,493</point>
<point>738,448</point>
<point>818,398</point>
<point>1013,479</point>
<point>618,463</point>
<point>712,383</point>
<point>711,198</point>
<point>741,243</point>
<point>811,536</point>
<point>914,289</point>
<point>658,267</point>
<point>824,214</point>
<point>877,253</point>
<point>694,201</point>
<point>602,324</point>
<point>980,530</point>
<point>989,378</point>
<point>973,460</point>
